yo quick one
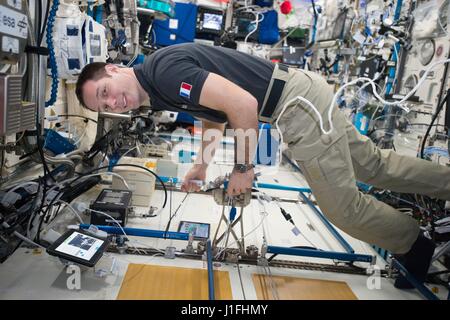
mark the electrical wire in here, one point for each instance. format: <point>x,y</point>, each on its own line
<point>110,174</point>
<point>438,110</point>
<point>72,209</point>
<point>240,280</point>
<point>76,116</point>
<point>57,197</point>
<point>38,19</point>
<point>171,216</point>
<point>244,236</point>
<point>38,124</point>
<point>339,92</point>
<point>410,124</point>
<point>257,21</point>
<point>44,23</point>
<point>115,221</point>
<point>136,166</point>
<point>22,237</point>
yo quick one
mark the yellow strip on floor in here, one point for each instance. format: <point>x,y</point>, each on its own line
<point>291,288</point>
<point>149,282</point>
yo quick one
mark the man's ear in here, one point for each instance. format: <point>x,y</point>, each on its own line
<point>111,68</point>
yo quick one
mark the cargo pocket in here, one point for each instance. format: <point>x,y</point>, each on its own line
<point>336,165</point>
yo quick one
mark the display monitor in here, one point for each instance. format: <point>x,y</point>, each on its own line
<point>212,21</point>
<point>78,246</point>
<point>199,230</point>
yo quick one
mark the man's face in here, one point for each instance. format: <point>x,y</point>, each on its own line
<point>118,92</point>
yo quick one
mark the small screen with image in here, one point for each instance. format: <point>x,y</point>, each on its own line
<point>80,245</point>
<point>212,21</point>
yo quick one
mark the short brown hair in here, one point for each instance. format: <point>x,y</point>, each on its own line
<point>92,71</point>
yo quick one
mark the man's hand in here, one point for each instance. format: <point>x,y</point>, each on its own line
<point>197,172</point>
<point>240,182</point>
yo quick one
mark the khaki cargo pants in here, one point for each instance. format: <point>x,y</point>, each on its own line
<point>332,163</point>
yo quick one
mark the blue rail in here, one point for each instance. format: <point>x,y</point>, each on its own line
<point>281,187</point>
<point>419,286</point>
<point>398,10</point>
<point>210,271</point>
<point>142,232</point>
<point>179,137</point>
<point>329,226</point>
<point>341,256</point>
<point>255,184</point>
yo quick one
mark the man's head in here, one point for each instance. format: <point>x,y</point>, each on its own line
<point>107,87</point>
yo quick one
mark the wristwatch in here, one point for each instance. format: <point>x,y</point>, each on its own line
<point>243,168</point>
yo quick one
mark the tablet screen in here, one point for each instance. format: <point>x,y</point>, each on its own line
<point>212,21</point>
<point>197,229</point>
<point>80,245</point>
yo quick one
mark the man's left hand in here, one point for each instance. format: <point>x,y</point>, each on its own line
<point>240,182</point>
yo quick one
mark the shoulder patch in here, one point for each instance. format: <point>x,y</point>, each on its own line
<point>185,90</point>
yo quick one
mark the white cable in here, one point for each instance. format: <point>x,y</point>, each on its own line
<point>440,24</point>
<point>18,235</point>
<point>72,209</point>
<point>284,109</point>
<point>224,239</point>
<point>246,235</point>
<point>338,93</point>
<point>154,36</point>
<point>111,174</point>
<point>128,151</point>
<point>406,97</point>
<point>149,139</point>
<point>115,221</point>
<point>301,233</point>
<point>149,246</point>
<point>257,21</point>
<point>264,214</point>
<point>138,149</point>
<point>81,137</point>
<point>396,54</point>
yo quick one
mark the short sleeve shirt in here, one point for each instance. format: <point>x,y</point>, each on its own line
<point>174,76</point>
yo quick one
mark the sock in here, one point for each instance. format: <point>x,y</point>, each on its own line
<point>417,261</point>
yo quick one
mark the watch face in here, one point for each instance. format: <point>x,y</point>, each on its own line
<point>242,168</point>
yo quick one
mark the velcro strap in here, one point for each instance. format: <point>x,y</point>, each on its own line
<point>275,94</point>
<point>42,51</point>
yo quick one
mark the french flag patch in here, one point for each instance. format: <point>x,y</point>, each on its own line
<point>185,90</point>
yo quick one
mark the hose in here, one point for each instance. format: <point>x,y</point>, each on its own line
<point>51,49</point>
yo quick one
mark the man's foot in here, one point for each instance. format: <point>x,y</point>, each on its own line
<point>417,261</point>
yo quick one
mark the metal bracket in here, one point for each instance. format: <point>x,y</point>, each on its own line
<point>230,226</point>
<point>221,198</point>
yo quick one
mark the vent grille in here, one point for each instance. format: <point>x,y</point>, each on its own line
<point>17,116</point>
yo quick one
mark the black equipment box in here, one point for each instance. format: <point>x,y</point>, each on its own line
<point>243,23</point>
<point>115,203</point>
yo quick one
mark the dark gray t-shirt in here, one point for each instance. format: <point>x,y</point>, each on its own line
<point>174,76</point>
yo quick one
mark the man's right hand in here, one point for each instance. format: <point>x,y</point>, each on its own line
<point>198,173</point>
